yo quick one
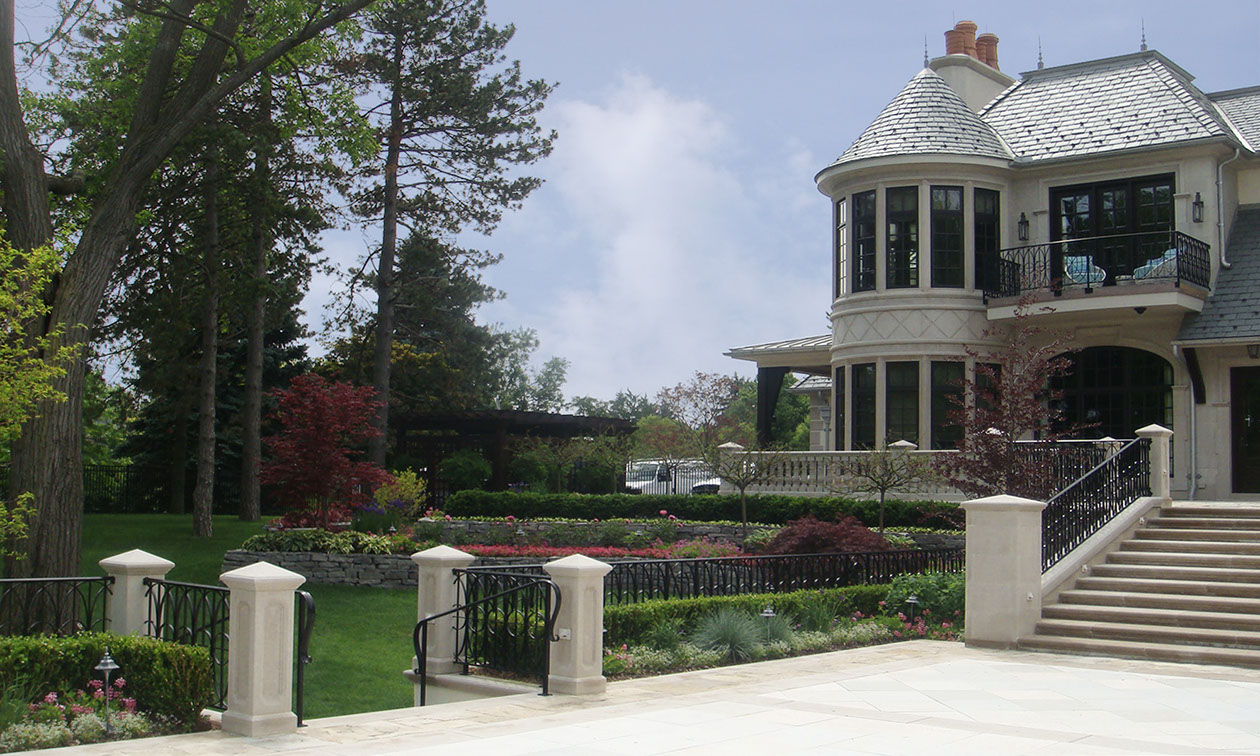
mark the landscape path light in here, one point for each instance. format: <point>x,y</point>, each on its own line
<point>107,665</point>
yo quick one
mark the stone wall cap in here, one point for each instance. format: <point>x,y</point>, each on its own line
<point>443,555</point>
<point>577,564</point>
<point>1003,503</point>
<point>262,576</point>
<point>136,562</point>
<point>1154,429</point>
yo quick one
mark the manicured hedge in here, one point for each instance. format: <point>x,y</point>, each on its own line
<point>764,508</point>
<point>627,623</point>
<point>165,678</point>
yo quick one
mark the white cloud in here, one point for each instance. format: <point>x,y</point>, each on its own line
<point>687,254</point>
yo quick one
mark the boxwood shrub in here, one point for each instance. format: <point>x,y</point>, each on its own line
<point>165,678</point>
<point>764,508</point>
<point>629,623</point>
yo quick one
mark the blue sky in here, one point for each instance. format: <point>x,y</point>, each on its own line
<point>679,216</point>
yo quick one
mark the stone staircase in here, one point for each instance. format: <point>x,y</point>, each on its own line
<point>1185,587</point>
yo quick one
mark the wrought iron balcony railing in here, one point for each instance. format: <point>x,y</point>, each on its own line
<point>1120,259</point>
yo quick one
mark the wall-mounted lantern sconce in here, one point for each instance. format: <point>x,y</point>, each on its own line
<point>1253,351</point>
<point>1196,208</point>
<point>1023,227</point>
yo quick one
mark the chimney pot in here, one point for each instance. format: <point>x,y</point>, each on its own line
<point>954,42</point>
<point>986,48</point>
<point>968,28</point>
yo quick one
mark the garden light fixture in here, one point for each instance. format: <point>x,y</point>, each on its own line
<point>1196,208</point>
<point>106,665</point>
<point>913,601</point>
<point>1022,226</point>
<point>768,614</point>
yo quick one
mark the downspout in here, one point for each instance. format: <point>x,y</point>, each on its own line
<point>1192,484</point>
<point>1220,215</point>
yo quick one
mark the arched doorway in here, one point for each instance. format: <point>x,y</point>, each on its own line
<point>1117,390</point>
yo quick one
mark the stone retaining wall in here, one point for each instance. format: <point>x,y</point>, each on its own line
<point>474,531</point>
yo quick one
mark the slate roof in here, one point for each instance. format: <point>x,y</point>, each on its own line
<point>807,344</point>
<point>1126,102</point>
<point>1232,310</point>
<point>926,118</point>
<point>1242,106</point>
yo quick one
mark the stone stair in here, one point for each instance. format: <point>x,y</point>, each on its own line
<point>1185,587</point>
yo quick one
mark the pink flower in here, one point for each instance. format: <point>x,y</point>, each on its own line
<point>448,518</point>
<point>120,683</point>
<point>664,512</point>
<point>595,520</point>
<point>897,633</point>
<point>671,517</point>
<point>510,518</point>
<point>50,698</point>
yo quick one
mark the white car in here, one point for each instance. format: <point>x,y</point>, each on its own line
<point>658,476</point>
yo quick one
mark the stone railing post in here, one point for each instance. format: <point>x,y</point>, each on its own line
<point>435,593</point>
<point>1003,569</point>
<point>1161,474</point>
<point>726,451</point>
<point>260,650</point>
<point>128,604</point>
<point>577,659</point>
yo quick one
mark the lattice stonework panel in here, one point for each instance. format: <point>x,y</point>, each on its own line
<point>935,325</point>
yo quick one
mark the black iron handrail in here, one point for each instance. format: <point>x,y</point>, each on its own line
<point>194,615</point>
<point>54,605</point>
<point>1096,261</point>
<point>1083,508</point>
<point>551,610</point>
<point>305,623</point>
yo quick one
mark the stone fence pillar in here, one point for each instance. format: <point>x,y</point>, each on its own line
<point>435,593</point>
<point>577,658</point>
<point>1161,474</point>
<point>128,604</point>
<point>1003,569</point>
<point>260,650</point>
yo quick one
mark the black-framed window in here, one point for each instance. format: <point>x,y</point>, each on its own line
<point>837,419</point>
<point>901,401</point>
<point>947,391</point>
<point>863,260</point>
<point>1123,220</point>
<point>988,235</point>
<point>901,210</point>
<point>947,236</point>
<point>864,406</point>
<point>1116,390</point>
<point>842,246</point>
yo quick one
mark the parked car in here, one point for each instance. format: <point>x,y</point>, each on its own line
<point>658,476</point>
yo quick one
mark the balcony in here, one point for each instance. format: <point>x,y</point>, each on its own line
<point>1121,261</point>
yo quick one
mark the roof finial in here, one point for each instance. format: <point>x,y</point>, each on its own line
<point>925,51</point>
<point>1143,35</point>
<point>1040,64</point>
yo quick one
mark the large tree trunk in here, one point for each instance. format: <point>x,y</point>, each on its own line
<point>385,272</point>
<point>251,452</point>
<point>203,493</point>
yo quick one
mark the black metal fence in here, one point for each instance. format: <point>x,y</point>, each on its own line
<point>1096,261</point>
<point>632,582</point>
<point>1081,509</point>
<point>194,615</point>
<point>504,621</point>
<point>54,606</point>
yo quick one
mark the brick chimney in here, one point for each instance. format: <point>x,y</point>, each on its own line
<point>986,49</point>
<point>968,29</point>
<point>954,42</point>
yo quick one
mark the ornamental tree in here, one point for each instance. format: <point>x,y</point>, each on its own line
<point>314,465</point>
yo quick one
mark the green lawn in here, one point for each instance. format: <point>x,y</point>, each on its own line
<point>362,637</point>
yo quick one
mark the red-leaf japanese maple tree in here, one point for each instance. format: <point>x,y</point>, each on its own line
<point>314,465</point>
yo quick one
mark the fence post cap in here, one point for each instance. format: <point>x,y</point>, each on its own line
<point>576,565</point>
<point>443,555</point>
<point>903,444</point>
<point>136,562</point>
<point>1154,431</point>
<point>731,445</point>
<point>262,576</point>
<point>1003,503</point>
